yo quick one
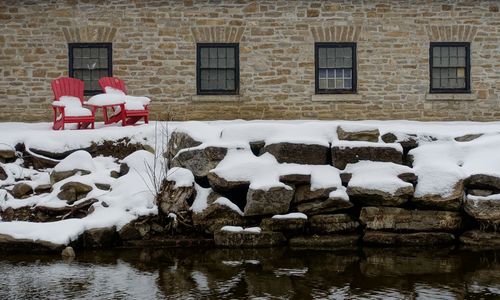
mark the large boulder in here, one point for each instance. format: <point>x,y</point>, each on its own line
<point>448,201</point>
<point>7,156</point>
<point>481,239</point>
<point>307,154</point>
<point>100,237</point>
<point>275,200</point>
<point>22,190</point>
<point>73,191</point>
<point>175,191</point>
<point>248,239</point>
<point>345,152</point>
<point>9,243</point>
<point>178,141</point>
<point>291,223</point>
<point>199,161</point>
<point>325,224</point>
<point>486,210</point>
<point>483,181</point>
<point>379,183</point>
<point>222,185</point>
<point>216,216</point>
<point>321,200</point>
<point>332,241</point>
<point>394,218</point>
<point>358,133</point>
<point>407,239</point>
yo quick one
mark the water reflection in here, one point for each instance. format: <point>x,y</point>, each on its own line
<point>269,273</point>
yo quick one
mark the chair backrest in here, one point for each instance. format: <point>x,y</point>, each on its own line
<point>67,86</point>
<point>113,82</point>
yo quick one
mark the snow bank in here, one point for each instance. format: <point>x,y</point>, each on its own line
<point>80,160</point>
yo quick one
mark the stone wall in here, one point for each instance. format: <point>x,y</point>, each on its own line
<point>154,51</point>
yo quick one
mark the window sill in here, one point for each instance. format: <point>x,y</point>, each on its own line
<point>335,97</point>
<point>215,98</point>
<point>451,97</point>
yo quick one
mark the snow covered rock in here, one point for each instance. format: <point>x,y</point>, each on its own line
<point>304,193</point>
<point>43,188</point>
<point>407,239</point>
<point>9,243</point>
<point>7,156</point>
<point>247,238</point>
<point>481,239</point>
<point>275,200</point>
<point>175,191</point>
<point>336,223</point>
<point>332,241</point>
<point>379,183</point>
<point>345,152</point>
<point>483,181</point>
<point>358,133</point>
<point>448,198</point>
<point>468,137</point>
<point>306,154</point>
<point>199,161</point>
<point>486,210</point>
<point>295,178</point>
<point>289,223</point>
<point>216,216</point>
<point>394,218</point>
<point>21,190</point>
<point>73,191</point>
<point>220,184</point>
<point>321,200</point>
<point>179,140</point>
<point>78,161</point>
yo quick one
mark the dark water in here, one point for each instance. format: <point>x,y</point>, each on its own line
<point>266,274</point>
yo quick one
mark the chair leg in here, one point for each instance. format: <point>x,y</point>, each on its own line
<point>146,119</point>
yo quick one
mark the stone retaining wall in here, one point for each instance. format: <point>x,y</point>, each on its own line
<point>154,51</point>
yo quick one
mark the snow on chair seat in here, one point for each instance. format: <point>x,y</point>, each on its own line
<point>68,104</point>
<point>135,108</point>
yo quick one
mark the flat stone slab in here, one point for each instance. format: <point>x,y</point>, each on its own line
<point>394,218</point>
<point>481,239</point>
<point>486,210</point>
<point>9,243</point>
<point>408,239</point>
<point>358,133</point>
<point>325,241</point>
<point>307,154</point>
<point>248,239</point>
<point>284,225</point>
<point>348,152</point>
<point>334,223</point>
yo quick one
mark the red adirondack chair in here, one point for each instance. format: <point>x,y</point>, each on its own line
<point>132,114</point>
<point>68,104</point>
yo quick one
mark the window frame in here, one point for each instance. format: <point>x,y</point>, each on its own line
<point>467,88</point>
<point>354,88</point>
<point>71,72</point>
<point>236,47</point>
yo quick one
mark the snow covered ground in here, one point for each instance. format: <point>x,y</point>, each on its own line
<point>439,161</point>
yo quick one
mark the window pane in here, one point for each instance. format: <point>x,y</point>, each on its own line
<point>213,62</point>
<point>204,52</point>
<point>339,73</point>
<point>212,84</point>
<point>322,73</point>
<point>103,53</point>
<point>348,73</point>
<point>230,52</point>
<point>453,61</point>
<point>221,52</point>
<point>230,62</point>
<point>204,84</point>
<point>230,74</point>
<point>213,52</point>
<point>436,83</point>
<point>85,52</point>
<point>322,84</point>
<point>331,83</point>
<point>331,63</point>
<point>347,63</point>
<point>77,63</point>
<point>322,62</point>
<point>436,62</point>
<point>436,73</point>
<point>222,63</point>
<point>204,75</point>
<point>460,72</point>
<point>444,83</point>
<point>230,84</point>
<point>339,62</point>
<point>77,52</point>
<point>461,62</point>
<point>103,63</point>
<point>339,83</point>
<point>461,83</point>
<point>212,75</point>
<point>94,52</point>
<point>330,53</point>
<point>348,83</point>
<point>453,51</point>
<point>204,62</point>
<point>85,74</point>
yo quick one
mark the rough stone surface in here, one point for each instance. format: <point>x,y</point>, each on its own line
<point>325,224</point>
<point>7,156</point>
<point>468,137</point>
<point>325,241</point>
<point>3,174</point>
<point>481,238</point>
<point>73,191</point>
<point>43,188</point>
<point>200,161</point>
<point>322,206</point>
<point>174,199</point>
<point>21,189</point>
<point>295,225</point>
<point>274,201</point>
<point>179,140</point>
<point>129,232</point>
<point>58,176</point>
<point>371,197</point>
<point>216,216</point>
<point>248,239</point>
<point>220,184</point>
<point>298,179</point>
<point>100,237</point>
<point>482,181</point>
<point>343,155</point>
<point>8,243</point>
<point>449,202</point>
<point>307,154</point>
<point>485,211</point>
<point>393,218</point>
<point>407,239</point>
<point>303,193</point>
<point>367,135</point>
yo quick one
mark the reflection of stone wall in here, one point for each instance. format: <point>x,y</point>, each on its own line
<point>154,46</point>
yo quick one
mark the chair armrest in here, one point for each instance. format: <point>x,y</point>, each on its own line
<point>58,104</point>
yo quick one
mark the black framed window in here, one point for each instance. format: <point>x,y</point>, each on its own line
<point>217,69</point>
<point>335,68</point>
<point>89,62</point>
<point>449,67</point>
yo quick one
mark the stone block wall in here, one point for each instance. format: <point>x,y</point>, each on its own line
<point>154,51</point>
